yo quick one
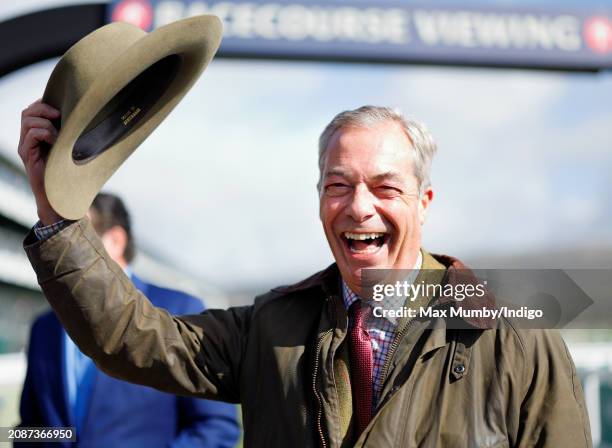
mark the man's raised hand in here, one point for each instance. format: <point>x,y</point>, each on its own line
<point>37,130</point>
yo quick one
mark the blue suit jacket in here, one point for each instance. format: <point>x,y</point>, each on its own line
<point>121,414</point>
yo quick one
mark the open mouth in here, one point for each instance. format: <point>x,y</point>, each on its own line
<point>365,243</point>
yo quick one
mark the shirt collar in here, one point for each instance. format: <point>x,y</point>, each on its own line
<point>390,303</point>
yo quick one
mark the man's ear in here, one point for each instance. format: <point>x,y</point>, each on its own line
<point>424,203</point>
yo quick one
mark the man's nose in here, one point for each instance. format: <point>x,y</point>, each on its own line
<point>361,207</point>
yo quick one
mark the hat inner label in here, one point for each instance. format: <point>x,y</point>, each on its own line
<point>122,114</point>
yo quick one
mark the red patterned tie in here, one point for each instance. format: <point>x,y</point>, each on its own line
<point>362,361</point>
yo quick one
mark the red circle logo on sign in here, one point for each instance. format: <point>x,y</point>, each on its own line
<point>598,34</point>
<point>136,12</point>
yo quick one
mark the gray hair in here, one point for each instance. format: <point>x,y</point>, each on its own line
<point>369,116</point>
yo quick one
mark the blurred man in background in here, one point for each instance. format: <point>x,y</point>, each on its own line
<point>64,388</point>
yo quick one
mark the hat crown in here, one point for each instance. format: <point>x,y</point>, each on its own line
<point>82,64</point>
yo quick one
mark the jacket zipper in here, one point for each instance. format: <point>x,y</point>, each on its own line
<point>315,390</point>
<point>387,364</point>
<point>390,354</point>
<point>316,371</point>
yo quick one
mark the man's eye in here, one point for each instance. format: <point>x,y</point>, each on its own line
<point>389,190</point>
<point>336,189</point>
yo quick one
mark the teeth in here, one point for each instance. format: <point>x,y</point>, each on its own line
<point>362,236</point>
<point>370,250</point>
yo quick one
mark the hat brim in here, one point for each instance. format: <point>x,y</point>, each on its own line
<point>70,185</point>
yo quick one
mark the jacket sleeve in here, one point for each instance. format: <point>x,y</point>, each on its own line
<point>553,411</point>
<point>126,336</point>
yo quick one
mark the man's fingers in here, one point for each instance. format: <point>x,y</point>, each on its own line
<point>39,135</point>
<point>30,149</point>
<point>40,109</point>
<point>36,127</point>
<point>28,123</point>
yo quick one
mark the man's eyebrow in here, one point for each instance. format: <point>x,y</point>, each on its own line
<point>336,172</point>
<point>388,175</point>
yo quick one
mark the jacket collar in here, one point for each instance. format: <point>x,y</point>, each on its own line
<point>459,273</point>
<point>328,282</point>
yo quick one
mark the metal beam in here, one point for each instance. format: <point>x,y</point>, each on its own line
<point>45,34</point>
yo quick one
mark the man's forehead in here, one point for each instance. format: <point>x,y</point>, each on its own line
<point>379,162</point>
<point>386,143</point>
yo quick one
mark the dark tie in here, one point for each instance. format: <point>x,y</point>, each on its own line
<point>361,367</point>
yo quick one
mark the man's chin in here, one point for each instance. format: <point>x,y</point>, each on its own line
<point>363,277</point>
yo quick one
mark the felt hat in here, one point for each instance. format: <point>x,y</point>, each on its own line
<point>113,88</point>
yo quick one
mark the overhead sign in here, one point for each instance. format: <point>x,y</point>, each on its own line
<point>395,31</point>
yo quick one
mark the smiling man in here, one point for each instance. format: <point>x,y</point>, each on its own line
<point>310,363</point>
<point>374,190</point>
